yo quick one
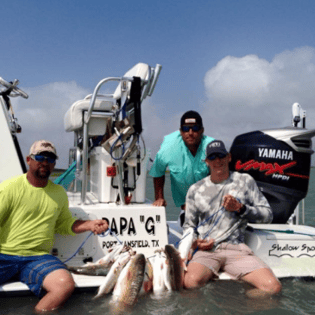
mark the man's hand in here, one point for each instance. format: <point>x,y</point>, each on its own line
<point>202,244</point>
<point>95,226</point>
<point>231,204</point>
<point>159,191</point>
<point>98,226</point>
<point>160,203</point>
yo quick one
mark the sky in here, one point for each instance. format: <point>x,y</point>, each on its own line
<point>240,64</point>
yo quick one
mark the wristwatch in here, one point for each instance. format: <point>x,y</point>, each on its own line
<point>242,209</point>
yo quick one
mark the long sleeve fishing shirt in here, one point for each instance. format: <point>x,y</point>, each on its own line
<point>204,211</point>
<point>30,216</point>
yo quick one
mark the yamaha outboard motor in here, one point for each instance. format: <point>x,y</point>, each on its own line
<point>279,160</point>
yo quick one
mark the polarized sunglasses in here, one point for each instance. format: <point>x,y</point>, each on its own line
<point>213,156</point>
<point>194,128</point>
<point>42,158</point>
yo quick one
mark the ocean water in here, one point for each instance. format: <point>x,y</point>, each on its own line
<point>217,297</point>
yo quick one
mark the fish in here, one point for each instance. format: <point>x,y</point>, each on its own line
<point>185,245</point>
<point>176,267</point>
<point>147,284</point>
<point>112,254</point>
<point>166,270</point>
<point>111,278</point>
<point>158,278</point>
<point>130,281</point>
<point>92,269</point>
<point>102,266</point>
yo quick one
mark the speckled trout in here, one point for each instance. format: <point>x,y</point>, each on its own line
<point>158,277</point>
<point>92,269</point>
<point>147,284</point>
<point>111,278</point>
<point>102,266</point>
<point>166,271</point>
<point>130,281</point>
<point>176,267</point>
<point>185,245</point>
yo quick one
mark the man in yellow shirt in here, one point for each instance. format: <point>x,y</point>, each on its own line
<point>32,210</point>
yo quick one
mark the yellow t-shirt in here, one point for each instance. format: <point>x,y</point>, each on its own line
<point>30,216</point>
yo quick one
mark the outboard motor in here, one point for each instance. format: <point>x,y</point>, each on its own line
<point>279,160</point>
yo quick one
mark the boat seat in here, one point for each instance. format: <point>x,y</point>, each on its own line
<point>140,70</point>
<point>73,120</point>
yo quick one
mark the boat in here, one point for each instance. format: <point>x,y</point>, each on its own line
<point>107,172</point>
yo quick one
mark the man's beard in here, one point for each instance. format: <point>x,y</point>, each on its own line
<point>42,174</point>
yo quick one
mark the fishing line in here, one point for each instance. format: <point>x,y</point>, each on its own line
<point>215,223</point>
<point>104,234</point>
<point>202,223</point>
<point>78,248</point>
<point>109,231</point>
<point>211,216</point>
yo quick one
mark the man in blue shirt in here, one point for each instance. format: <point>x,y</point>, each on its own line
<point>183,152</point>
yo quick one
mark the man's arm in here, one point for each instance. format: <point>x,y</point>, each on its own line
<point>256,209</point>
<point>159,191</point>
<point>95,226</point>
<point>192,220</point>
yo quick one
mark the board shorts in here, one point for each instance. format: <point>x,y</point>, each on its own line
<point>236,260</point>
<point>30,270</point>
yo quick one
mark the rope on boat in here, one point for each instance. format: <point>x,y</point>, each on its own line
<point>202,223</point>
<point>104,234</point>
<point>78,248</point>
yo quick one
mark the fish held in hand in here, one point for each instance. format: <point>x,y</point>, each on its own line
<point>111,279</point>
<point>185,244</point>
<point>92,269</point>
<point>176,267</point>
<point>158,277</point>
<point>102,266</point>
<point>130,281</point>
<point>112,254</point>
<point>147,284</point>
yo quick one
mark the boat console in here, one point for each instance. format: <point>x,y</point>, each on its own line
<point>110,161</point>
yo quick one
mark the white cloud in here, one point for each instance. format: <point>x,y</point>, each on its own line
<point>41,116</point>
<point>251,93</point>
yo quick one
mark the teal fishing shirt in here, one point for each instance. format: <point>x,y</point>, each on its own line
<point>185,169</point>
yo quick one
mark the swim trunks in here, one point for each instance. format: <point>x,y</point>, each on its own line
<point>236,260</point>
<point>30,270</point>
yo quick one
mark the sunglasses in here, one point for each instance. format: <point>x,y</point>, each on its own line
<point>194,128</point>
<point>42,158</point>
<point>213,156</point>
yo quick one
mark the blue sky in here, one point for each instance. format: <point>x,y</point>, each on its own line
<point>241,64</point>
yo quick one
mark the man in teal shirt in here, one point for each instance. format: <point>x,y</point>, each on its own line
<point>183,152</point>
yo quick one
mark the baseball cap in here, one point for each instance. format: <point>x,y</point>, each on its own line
<point>216,146</point>
<point>191,117</point>
<point>41,146</point>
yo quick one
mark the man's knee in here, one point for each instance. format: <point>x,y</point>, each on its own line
<point>192,281</point>
<point>272,286</point>
<point>59,281</point>
<point>264,280</point>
